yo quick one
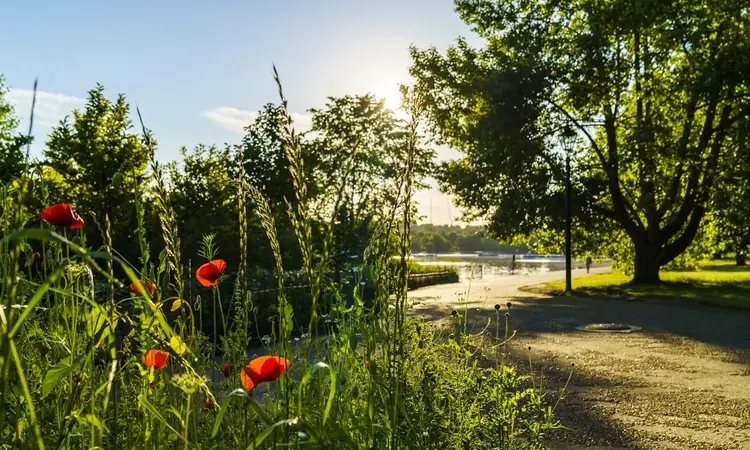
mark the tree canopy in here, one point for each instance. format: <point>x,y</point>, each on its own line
<point>653,89</point>
<point>87,152</point>
<point>11,141</point>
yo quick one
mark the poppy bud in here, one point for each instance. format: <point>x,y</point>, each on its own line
<point>117,179</point>
<point>226,369</point>
<point>454,313</point>
<point>509,304</point>
<point>208,403</point>
<point>367,364</point>
<point>507,314</point>
<point>497,306</point>
<point>37,257</point>
<point>529,348</point>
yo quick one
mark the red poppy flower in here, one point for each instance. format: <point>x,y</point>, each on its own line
<point>149,285</point>
<point>208,404</point>
<point>367,365</point>
<point>208,274</point>
<point>62,215</point>
<point>226,369</point>
<point>263,369</point>
<point>156,358</point>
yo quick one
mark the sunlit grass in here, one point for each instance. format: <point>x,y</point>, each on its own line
<point>718,282</point>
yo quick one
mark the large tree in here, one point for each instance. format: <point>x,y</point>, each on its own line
<point>87,152</point>
<point>652,89</point>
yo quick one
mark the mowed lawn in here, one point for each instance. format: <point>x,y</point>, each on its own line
<point>714,282</point>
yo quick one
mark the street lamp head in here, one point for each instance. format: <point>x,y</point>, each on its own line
<point>568,137</point>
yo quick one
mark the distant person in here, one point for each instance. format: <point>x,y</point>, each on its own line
<point>513,265</point>
<point>589,261</point>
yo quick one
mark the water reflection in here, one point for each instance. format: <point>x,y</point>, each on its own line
<point>488,267</point>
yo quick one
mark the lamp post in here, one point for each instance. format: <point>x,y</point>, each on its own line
<point>568,140</point>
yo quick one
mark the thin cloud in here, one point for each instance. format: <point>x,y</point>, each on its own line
<point>236,120</point>
<point>50,108</point>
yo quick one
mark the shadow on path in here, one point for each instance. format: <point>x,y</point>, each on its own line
<point>682,382</point>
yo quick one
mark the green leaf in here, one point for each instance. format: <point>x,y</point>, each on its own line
<point>332,389</point>
<point>259,410</point>
<point>90,419</point>
<point>143,401</point>
<point>56,373</point>
<point>267,432</point>
<point>178,345</point>
<point>223,409</point>
<point>95,320</point>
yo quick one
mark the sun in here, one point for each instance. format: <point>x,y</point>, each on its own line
<point>389,90</point>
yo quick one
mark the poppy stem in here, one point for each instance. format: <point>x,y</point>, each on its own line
<point>187,420</point>
<point>497,333</point>
<point>213,353</point>
<point>246,427</point>
<point>505,339</point>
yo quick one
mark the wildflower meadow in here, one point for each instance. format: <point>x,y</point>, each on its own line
<point>97,351</point>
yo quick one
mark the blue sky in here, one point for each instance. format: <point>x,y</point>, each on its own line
<point>199,69</point>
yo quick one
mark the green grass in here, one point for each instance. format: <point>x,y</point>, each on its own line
<point>419,269</point>
<point>719,283</point>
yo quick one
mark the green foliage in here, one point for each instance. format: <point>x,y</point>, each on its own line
<point>652,90</point>
<point>731,199</point>
<point>265,163</point>
<point>12,143</point>
<point>204,199</point>
<point>363,130</point>
<point>361,143</point>
<point>450,239</point>
<point>86,153</point>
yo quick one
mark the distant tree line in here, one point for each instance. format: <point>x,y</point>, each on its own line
<point>456,239</point>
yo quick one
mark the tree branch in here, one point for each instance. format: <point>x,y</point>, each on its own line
<point>697,192</point>
<point>620,205</point>
<point>673,250</point>
<point>578,125</point>
<point>682,146</point>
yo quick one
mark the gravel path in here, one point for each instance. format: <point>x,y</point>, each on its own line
<point>683,382</point>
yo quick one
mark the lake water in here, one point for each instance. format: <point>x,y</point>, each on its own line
<point>471,266</point>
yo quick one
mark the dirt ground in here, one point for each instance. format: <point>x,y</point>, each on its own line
<point>682,382</point>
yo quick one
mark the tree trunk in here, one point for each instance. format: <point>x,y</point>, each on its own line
<point>739,258</point>
<point>646,263</point>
